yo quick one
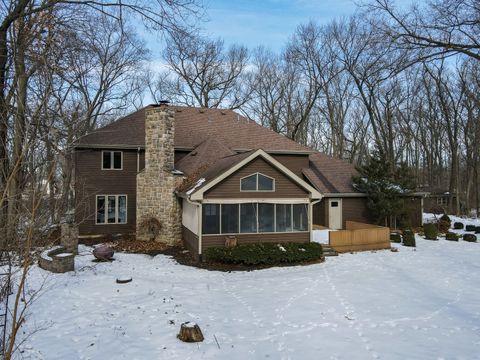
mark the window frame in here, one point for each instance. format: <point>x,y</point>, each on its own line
<point>112,159</point>
<point>221,233</point>
<point>116,209</point>
<point>256,182</point>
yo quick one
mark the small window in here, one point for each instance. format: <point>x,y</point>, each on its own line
<point>112,160</point>
<point>111,209</point>
<point>257,182</point>
<point>334,204</point>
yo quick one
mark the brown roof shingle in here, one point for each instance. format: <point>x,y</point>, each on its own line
<point>192,127</point>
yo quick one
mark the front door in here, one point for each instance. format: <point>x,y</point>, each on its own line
<point>335,214</point>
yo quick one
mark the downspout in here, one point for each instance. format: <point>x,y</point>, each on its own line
<point>310,216</point>
<point>199,214</point>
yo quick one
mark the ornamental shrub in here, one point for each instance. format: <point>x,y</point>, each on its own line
<point>395,237</point>
<point>431,231</point>
<point>451,236</point>
<point>470,237</point>
<point>477,229</point>
<point>408,238</point>
<point>265,254</point>
<point>470,228</point>
<point>458,226</point>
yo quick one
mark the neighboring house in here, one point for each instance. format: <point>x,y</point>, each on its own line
<point>205,174</point>
<point>441,202</point>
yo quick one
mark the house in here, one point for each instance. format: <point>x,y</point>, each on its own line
<point>205,174</point>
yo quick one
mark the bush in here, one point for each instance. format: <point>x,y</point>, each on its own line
<point>408,238</point>
<point>265,254</point>
<point>431,231</point>
<point>477,229</point>
<point>451,236</point>
<point>470,228</point>
<point>458,226</point>
<point>444,223</point>
<point>395,237</point>
<point>470,237</point>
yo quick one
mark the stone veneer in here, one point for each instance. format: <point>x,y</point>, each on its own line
<point>156,183</point>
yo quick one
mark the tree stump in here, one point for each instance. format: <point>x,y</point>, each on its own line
<point>190,332</point>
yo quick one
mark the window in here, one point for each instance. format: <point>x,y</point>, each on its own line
<point>257,182</point>
<point>229,218</point>
<point>112,160</point>
<point>284,217</point>
<point>300,217</point>
<point>211,219</point>
<point>111,209</point>
<point>248,218</point>
<point>334,204</point>
<point>266,213</point>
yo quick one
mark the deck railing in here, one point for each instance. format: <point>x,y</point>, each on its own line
<point>360,237</point>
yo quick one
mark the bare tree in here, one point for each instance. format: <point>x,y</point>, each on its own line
<point>204,73</point>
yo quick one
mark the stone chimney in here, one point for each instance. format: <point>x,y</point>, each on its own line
<point>158,210</point>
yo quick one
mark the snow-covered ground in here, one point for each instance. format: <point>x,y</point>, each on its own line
<point>421,303</point>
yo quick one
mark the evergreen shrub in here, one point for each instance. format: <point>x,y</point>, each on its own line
<point>451,236</point>
<point>265,254</point>
<point>470,237</point>
<point>409,238</point>
<point>458,226</point>
<point>431,231</point>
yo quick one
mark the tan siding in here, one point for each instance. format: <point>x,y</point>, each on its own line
<point>230,187</point>
<point>91,180</point>
<point>190,240</point>
<point>294,163</point>
<point>219,240</point>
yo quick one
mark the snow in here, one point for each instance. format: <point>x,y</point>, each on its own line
<point>321,236</point>
<point>282,248</point>
<point>44,254</point>
<point>421,303</point>
<point>64,255</point>
<point>197,184</point>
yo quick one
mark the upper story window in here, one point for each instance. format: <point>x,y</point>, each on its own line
<point>112,160</point>
<point>257,182</point>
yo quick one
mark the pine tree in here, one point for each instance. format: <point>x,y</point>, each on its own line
<point>386,187</point>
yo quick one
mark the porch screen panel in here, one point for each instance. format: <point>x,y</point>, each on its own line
<point>300,217</point>
<point>266,217</point>
<point>248,218</point>
<point>229,218</point>
<point>284,217</point>
<point>211,219</point>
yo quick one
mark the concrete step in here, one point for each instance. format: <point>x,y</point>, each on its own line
<point>328,251</point>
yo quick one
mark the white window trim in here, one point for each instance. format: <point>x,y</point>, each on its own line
<point>116,209</point>
<point>256,184</point>
<point>112,160</point>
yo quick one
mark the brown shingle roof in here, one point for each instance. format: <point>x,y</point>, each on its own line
<point>330,175</point>
<point>192,127</point>
<point>217,134</point>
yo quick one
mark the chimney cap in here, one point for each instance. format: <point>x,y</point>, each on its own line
<point>163,103</point>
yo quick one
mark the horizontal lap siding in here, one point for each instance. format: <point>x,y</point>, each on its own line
<point>230,187</point>
<point>355,209</point>
<point>91,180</point>
<point>190,240</point>
<point>219,240</point>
